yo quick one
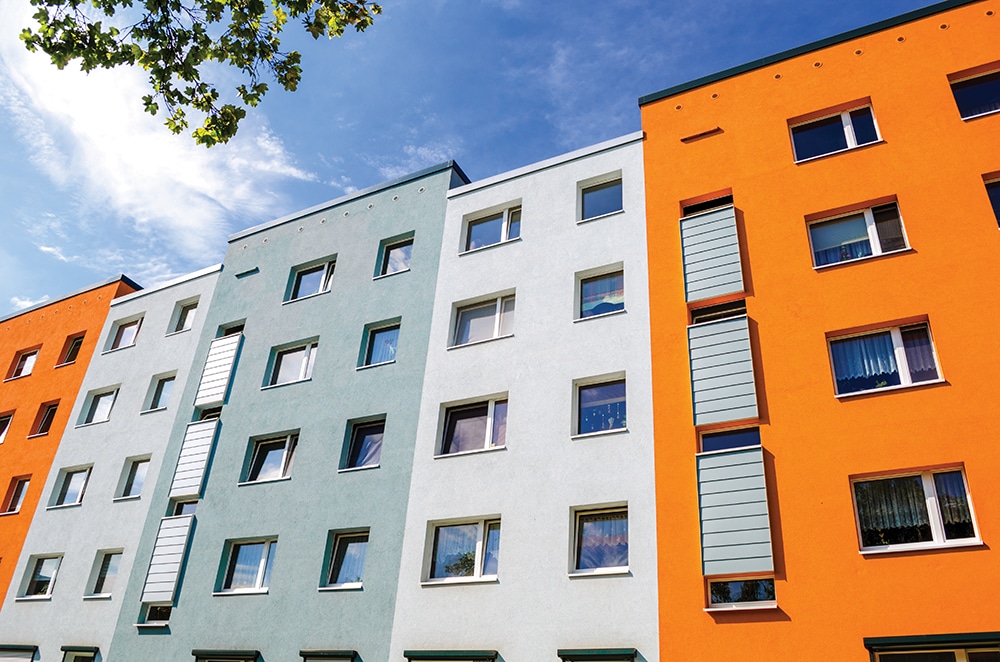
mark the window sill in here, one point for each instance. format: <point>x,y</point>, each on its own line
<point>978,115</point>
<point>176,333</point>
<point>742,606</point>
<point>374,365</point>
<point>350,586</point>
<point>833,265</point>
<point>480,342</point>
<point>92,423</point>
<point>480,249</point>
<point>308,296</point>
<point>599,433</point>
<point>601,316</point>
<point>597,218</point>
<point>11,379</point>
<point>33,598</point>
<point>297,381</point>
<point>37,434</point>
<point>152,626</point>
<point>885,389</point>
<point>622,571</point>
<point>922,547</point>
<point>116,349</point>
<point>151,411</point>
<point>477,451</point>
<point>62,506</point>
<point>245,591</point>
<point>10,512</point>
<point>134,497</point>
<point>347,470</point>
<point>263,482</point>
<point>392,273</point>
<point>63,365</point>
<point>451,581</point>
<point>98,596</point>
<point>839,151</point>
<point>724,451</point>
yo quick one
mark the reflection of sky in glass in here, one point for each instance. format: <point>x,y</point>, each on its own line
<point>455,550</point>
<point>476,323</point>
<point>137,476</point>
<point>268,461</point>
<point>100,409</point>
<point>383,345</point>
<point>308,281</point>
<point>500,423</point>
<point>603,294</point>
<point>271,552</point>
<point>398,258</point>
<point>349,561</point>
<point>491,555</point>
<point>26,364</point>
<point>507,317</point>
<point>602,199</point>
<point>73,487</point>
<point>289,366</point>
<point>602,407</point>
<point>126,334</point>
<point>244,566</point>
<point>603,541</point>
<point>485,232</point>
<point>106,576</point>
<point>162,395</point>
<point>366,447</point>
<point>41,581</point>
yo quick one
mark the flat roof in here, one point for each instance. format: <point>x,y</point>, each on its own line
<point>194,275</point>
<point>48,302</point>
<point>908,17</point>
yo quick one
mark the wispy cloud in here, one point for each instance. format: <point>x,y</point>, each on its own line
<point>21,303</point>
<point>415,157</point>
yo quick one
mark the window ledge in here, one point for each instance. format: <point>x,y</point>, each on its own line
<point>176,333</point>
<point>885,389</point>
<point>296,381</point>
<point>839,151</point>
<point>599,433</point>
<point>63,365</point>
<point>622,571</point>
<point>308,296</point>
<point>601,316</point>
<point>349,586</point>
<point>33,598</point>
<point>978,115</point>
<point>477,451</point>
<point>596,218</point>
<point>92,423</point>
<point>150,411</point>
<point>134,497</point>
<point>480,249</point>
<point>37,434</point>
<point>742,606</point>
<point>347,470</point>
<point>116,349</point>
<point>242,591</point>
<point>451,581</point>
<point>11,379</point>
<point>480,342</point>
<point>98,596</point>
<point>922,547</point>
<point>723,451</point>
<point>833,265</point>
<point>374,365</point>
<point>263,482</point>
<point>152,626</point>
<point>391,273</point>
<point>62,506</point>
<point>10,512</point>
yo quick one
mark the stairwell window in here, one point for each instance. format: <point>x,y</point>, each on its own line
<point>741,593</point>
<point>836,132</point>
<point>894,357</point>
<point>866,233</point>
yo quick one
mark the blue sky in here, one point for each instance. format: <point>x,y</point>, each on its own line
<point>91,186</point>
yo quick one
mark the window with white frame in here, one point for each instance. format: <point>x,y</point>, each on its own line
<point>271,458</point>
<point>46,416</point>
<point>347,561</point>
<point>365,446</point>
<point>834,133</point>
<point>395,256</point>
<point>249,566</point>
<point>977,95</point>
<point>600,199</point>
<point>125,333</point>
<point>99,407</point>
<point>185,317</point>
<point>157,614</point>
<point>5,420</point>
<point>135,477</point>
<point>741,593</point>
<point>729,439</point>
<point>15,494</point>
<point>866,233</point>
<point>293,365</point>
<point>929,508</point>
<point>105,571</point>
<point>601,540</point>
<point>311,280</point>
<point>161,392</point>
<point>897,356</point>
<point>993,191</point>
<point>41,577</point>
<point>493,229</point>
<point>72,349</point>
<point>24,363</point>
<point>602,294</point>
<point>475,426</point>
<point>465,550</point>
<point>380,344</point>
<point>72,485</point>
<point>976,654</point>
<point>600,407</point>
<point>484,321</point>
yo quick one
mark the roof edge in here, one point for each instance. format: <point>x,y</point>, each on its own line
<point>807,48</point>
<point>194,275</point>
<point>48,302</point>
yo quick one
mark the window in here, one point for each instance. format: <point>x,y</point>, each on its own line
<point>293,365</point>
<point>24,363</point>
<point>135,478</point>
<point>15,494</point>
<point>741,593</point>
<point>395,257</point>
<point>870,232</point>
<point>600,295</point>
<point>185,318</point>
<point>107,570</point>
<point>485,321</point>
<point>125,333</point>
<point>72,487</point>
<point>601,540</point>
<point>72,349</point>
<point>465,550</point>
<point>601,407</point>
<point>43,422</point>
<point>161,392</point>
<point>272,458</point>
<point>209,413</point>
<point>365,447</point>
<point>601,199</point>
<point>993,191</point>
<point>834,133</point>
<point>718,312</point>
<point>99,409</point>
<point>347,568</point>
<point>977,96</point>
<point>911,511</point>
<point>729,439</point>
<point>900,356</point>
<point>475,427</point>
<point>5,420</point>
<point>249,566</point>
<point>157,614</point>
<point>312,280</point>
<point>85,654</point>
<point>381,345</point>
<point>42,579</point>
<point>185,508</point>
<point>494,229</point>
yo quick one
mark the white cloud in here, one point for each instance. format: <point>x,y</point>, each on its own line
<point>21,304</point>
<point>54,252</point>
<point>415,157</point>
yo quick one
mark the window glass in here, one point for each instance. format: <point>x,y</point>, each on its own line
<point>272,458</point>
<point>125,335</point>
<point>382,345</point>
<point>888,227</point>
<point>602,540</point>
<point>977,96</point>
<point>185,508</point>
<point>864,126</point>
<point>17,492</point>
<point>469,427</point>
<point>491,553</point>
<point>42,576</point>
<point>514,223</point>
<point>25,364</point>
<point>993,190</point>
<point>73,485</point>
<point>293,365</point>
<point>158,613</point>
<point>839,240</point>
<point>100,407</point>
<point>73,350</point>
<point>250,565</point>
<point>864,362</point>
<point>602,294</point>
<point>310,281</point>
<point>602,407</point>
<point>366,445</point>
<point>954,505</point>
<point>719,441</point>
<point>161,395</point>
<point>499,423</point>
<point>136,478</point>
<point>744,590</point>
<point>349,558</point>
<point>454,553</point>
<point>821,137</point>
<point>476,323</point>
<point>46,419</point>
<point>602,199</point>
<point>938,656</point>
<point>4,425</point>
<point>185,320</point>
<point>485,232</point>
<point>107,572</point>
<point>919,353</point>
<point>397,257</point>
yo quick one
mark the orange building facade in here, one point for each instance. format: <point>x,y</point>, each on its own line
<point>44,352</point>
<point>822,254</point>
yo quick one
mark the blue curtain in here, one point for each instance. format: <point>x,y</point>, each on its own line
<point>919,353</point>
<point>954,505</point>
<point>865,362</point>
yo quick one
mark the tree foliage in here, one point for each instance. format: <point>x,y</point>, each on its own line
<point>176,40</point>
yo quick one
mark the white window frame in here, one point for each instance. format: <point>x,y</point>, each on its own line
<point>34,563</point>
<point>305,367</point>
<point>93,404</point>
<point>185,317</point>
<point>846,126</point>
<point>594,274</point>
<point>506,217</point>
<point>602,380</point>
<point>933,513</point>
<point>287,457</point>
<point>899,353</point>
<point>117,333</point>
<point>15,498</point>
<point>97,578</point>
<point>738,606</point>
<point>873,238</point>
<point>489,442</point>
<point>498,318</point>
<point>576,529</point>
<point>22,366</point>
<point>480,551</point>
<point>338,538</point>
<point>5,421</point>
<point>62,486</point>
<point>597,182</point>
<point>232,547</point>
<point>326,284</point>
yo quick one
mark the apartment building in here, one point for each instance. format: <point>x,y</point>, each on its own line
<point>82,542</point>
<point>46,349</point>
<point>530,531</point>
<point>825,489</point>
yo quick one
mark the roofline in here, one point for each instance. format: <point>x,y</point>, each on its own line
<point>419,174</point>
<point>170,283</point>
<point>605,146</point>
<point>48,302</point>
<point>807,48</point>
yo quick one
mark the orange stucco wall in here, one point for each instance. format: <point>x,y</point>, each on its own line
<point>22,454</point>
<point>829,595</point>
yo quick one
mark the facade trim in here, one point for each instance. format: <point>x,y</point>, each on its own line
<point>215,654</point>
<point>596,654</point>
<point>351,655</point>
<point>49,302</point>
<point>438,655</point>
<point>924,641</point>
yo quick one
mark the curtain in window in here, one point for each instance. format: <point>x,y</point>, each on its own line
<point>367,445</point>
<point>602,407</point>
<point>954,505</point>
<point>839,240</point>
<point>892,511</point>
<point>350,562</point>
<point>919,353</point>
<point>243,569</point>
<point>384,346</point>
<point>602,541</point>
<point>466,429</point>
<point>455,551</point>
<point>601,295</point>
<point>865,362</point>
<point>491,555</point>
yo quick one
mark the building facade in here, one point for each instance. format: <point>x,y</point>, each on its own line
<point>824,488</point>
